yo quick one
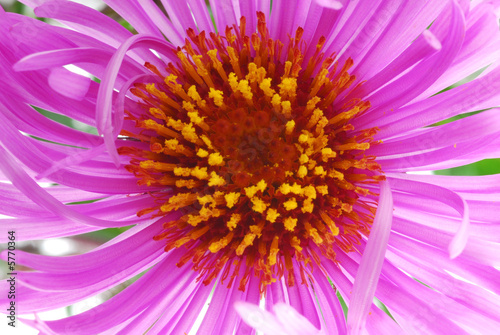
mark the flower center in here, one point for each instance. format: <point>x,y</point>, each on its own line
<point>255,153</point>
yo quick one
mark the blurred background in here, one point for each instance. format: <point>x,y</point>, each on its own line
<point>83,243</point>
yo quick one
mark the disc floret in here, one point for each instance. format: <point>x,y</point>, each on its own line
<point>248,142</point>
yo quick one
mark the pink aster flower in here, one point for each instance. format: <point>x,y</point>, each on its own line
<point>260,155</point>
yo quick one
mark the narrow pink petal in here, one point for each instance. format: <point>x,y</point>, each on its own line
<point>481,93</point>
<point>332,4</point>
<point>164,280</point>
<point>61,57</point>
<point>259,319</point>
<point>230,320</point>
<point>248,10</point>
<point>476,126</point>
<point>69,84</point>
<point>397,32</point>
<point>331,309</point>
<point>222,300</point>
<point>452,155</point>
<point>368,273</point>
<point>302,300</point>
<point>84,19</point>
<point>405,305</point>
<point>484,275</point>
<point>104,110</point>
<point>168,28</point>
<point>481,48</point>
<point>25,148</point>
<point>378,322</point>
<point>224,14</point>
<point>293,321</point>
<point>420,77</point>
<point>135,15</point>
<point>72,160</point>
<point>181,320</point>
<point>253,297</point>
<point>468,294</point>
<point>489,184</point>
<point>41,197</point>
<point>355,16</point>
<point>201,15</point>
<point>455,312</point>
<point>180,15</point>
<point>424,46</point>
<point>281,23</point>
<point>446,196</point>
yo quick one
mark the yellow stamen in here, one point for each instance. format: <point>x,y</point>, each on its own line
<point>232,199</point>
<point>302,172</point>
<point>327,153</point>
<point>202,153</point>
<point>307,206</point>
<point>288,87</point>
<point>258,205</point>
<point>319,171</point>
<point>200,173</point>
<point>272,215</point>
<point>290,125</point>
<point>265,86</point>
<point>322,189</point>
<point>309,192</point>
<point>303,159</point>
<point>182,172</point>
<point>295,243</point>
<point>273,251</point>
<point>215,159</point>
<point>290,223</point>
<point>222,243</point>
<point>232,223</point>
<point>217,96</point>
<point>290,204</point>
<point>216,180</point>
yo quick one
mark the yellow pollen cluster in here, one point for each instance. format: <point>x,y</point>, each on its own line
<point>250,145</point>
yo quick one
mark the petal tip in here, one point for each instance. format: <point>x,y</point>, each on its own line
<point>330,4</point>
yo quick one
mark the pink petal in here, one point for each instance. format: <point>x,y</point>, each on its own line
<point>368,273</point>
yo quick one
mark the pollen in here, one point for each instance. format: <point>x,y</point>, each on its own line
<point>251,159</point>
<point>303,159</point>
<point>322,189</point>
<point>265,86</point>
<point>273,253</point>
<point>232,199</point>
<point>202,153</point>
<point>310,192</point>
<point>288,87</point>
<point>290,204</point>
<point>200,173</point>
<point>233,222</point>
<point>319,171</point>
<point>290,223</point>
<point>258,205</point>
<point>252,190</point>
<point>215,159</point>
<point>302,172</point>
<point>290,125</point>
<point>272,215</point>
<point>216,180</point>
<point>303,138</point>
<point>217,96</point>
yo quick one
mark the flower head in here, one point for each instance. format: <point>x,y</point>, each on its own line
<point>263,156</point>
<point>261,161</point>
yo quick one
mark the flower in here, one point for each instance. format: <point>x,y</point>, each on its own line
<point>264,154</point>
